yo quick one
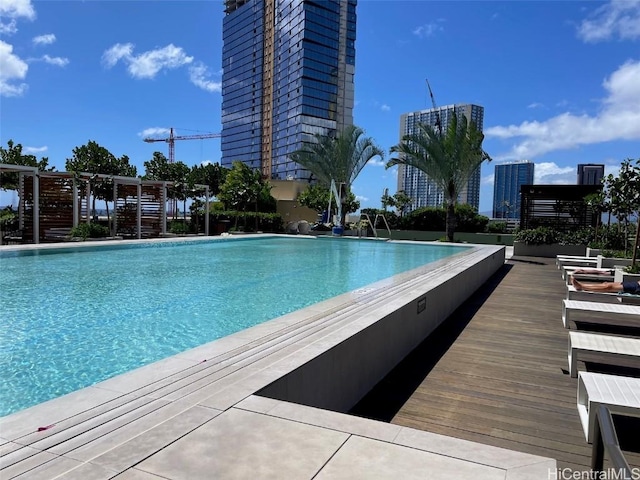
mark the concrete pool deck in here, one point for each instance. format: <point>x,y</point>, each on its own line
<point>265,402</point>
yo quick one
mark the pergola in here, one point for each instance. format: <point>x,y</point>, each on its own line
<point>26,211</point>
<point>55,202</point>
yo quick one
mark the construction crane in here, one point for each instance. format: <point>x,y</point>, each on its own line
<point>433,102</point>
<point>171,139</point>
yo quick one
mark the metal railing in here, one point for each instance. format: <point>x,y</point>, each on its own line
<point>373,224</point>
<point>606,440</point>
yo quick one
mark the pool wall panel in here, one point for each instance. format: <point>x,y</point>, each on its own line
<point>337,379</point>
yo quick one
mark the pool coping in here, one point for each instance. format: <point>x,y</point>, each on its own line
<point>91,431</point>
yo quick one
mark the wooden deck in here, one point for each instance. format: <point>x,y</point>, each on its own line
<point>496,373</point>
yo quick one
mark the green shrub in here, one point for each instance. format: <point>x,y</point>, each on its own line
<point>582,236</point>
<point>548,235</point>
<point>8,220</point>
<point>434,219</point>
<point>609,237</point>
<point>497,227</point>
<point>267,222</point>
<point>179,227</point>
<point>89,230</point>
<point>537,236</point>
<point>614,253</point>
<point>635,269</point>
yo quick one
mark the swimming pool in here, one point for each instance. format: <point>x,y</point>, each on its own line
<point>74,317</point>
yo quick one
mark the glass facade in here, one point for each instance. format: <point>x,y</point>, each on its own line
<point>283,79</point>
<point>590,173</point>
<point>416,184</point>
<point>508,179</point>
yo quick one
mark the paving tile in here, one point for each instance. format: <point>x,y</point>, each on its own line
<point>17,455</point>
<point>258,404</point>
<point>464,449</point>
<point>366,459</point>
<point>336,421</point>
<point>135,474</point>
<point>151,441</point>
<point>542,470</point>
<point>9,447</point>
<point>140,377</point>
<point>245,445</point>
<point>56,439</point>
<point>25,464</point>
<point>102,429</point>
<point>83,446</point>
<point>28,421</point>
<point>63,468</point>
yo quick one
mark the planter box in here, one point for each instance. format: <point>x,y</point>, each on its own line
<point>548,251</point>
<point>613,262</point>
<point>621,276</point>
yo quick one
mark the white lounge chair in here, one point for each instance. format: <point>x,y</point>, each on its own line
<point>629,298</point>
<point>621,395</point>
<point>561,258</point>
<point>603,297</point>
<point>609,349</point>
<point>570,306</point>
<point>582,262</point>
<point>604,275</point>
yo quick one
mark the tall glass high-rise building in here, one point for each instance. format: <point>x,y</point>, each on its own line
<point>288,73</point>
<point>416,184</point>
<point>506,187</point>
<point>590,173</point>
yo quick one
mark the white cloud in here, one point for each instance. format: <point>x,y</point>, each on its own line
<point>154,131</point>
<point>362,198</point>
<point>488,179</point>
<point>32,150</point>
<point>14,9</point>
<point>12,69</point>
<point>619,18</point>
<point>546,173</point>
<point>57,61</point>
<point>428,29</point>
<point>535,105</point>
<point>618,119</point>
<point>376,162</point>
<point>199,76</point>
<point>385,107</point>
<point>17,8</point>
<point>9,28</point>
<point>47,39</point>
<point>146,64</point>
<point>119,51</point>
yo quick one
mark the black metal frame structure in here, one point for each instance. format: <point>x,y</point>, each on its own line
<point>561,207</point>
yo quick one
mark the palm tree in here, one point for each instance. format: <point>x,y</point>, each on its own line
<point>448,157</point>
<point>338,159</point>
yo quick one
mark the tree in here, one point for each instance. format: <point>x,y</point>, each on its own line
<point>95,159</point>
<point>178,173</point>
<point>316,197</point>
<point>14,156</point>
<point>212,174</point>
<point>157,168</point>
<point>624,194</point>
<point>400,201</point>
<point>338,159</point>
<point>244,187</point>
<point>449,157</point>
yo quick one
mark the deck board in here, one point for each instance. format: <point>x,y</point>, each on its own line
<point>496,372</point>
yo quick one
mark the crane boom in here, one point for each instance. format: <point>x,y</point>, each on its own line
<point>172,138</point>
<point>433,102</point>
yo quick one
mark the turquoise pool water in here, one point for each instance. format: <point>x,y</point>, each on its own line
<point>74,318</point>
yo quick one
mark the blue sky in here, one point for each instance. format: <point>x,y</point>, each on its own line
<point>559,81</point>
